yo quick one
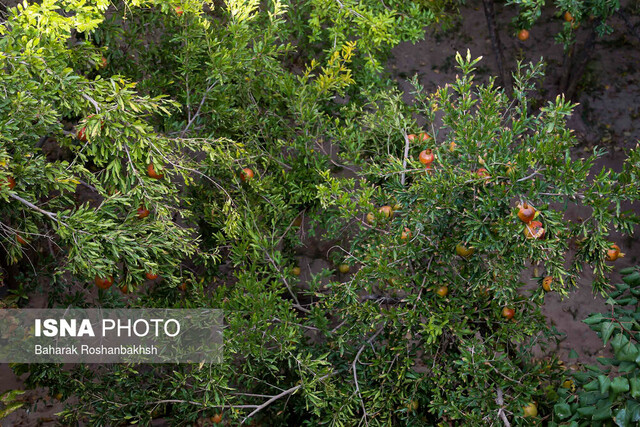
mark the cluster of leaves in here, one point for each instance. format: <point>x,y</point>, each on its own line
<point>609,392</point>
<point>77,145</point>
<point>595,14</point>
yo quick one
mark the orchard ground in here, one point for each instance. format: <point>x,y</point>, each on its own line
<point>608,116</point>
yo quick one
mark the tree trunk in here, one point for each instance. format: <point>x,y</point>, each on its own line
<point>490,15</point>
<point>575,64</point>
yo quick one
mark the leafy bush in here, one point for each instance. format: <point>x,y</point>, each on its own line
<point>608,393</point>
<point>76,148</point>
<point>478,364</point>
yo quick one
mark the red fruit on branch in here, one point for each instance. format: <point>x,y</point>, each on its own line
<point>371,218</point>
<point>426,157</point>
<point>344,268</point>
<point>613,253</point>
<point>530,410</point>
<point>482,173</point>
<point>11,183</point>
<point>143,212</point>
<point>526,213</point>
<point>386,211</point>
<point>103,283</point>
<point>442,291</point>
<point>463,251</point>
<point>152,172</point>
<point>406,234</point>
<point>534,230</point>
<point>82,134</point>
<point>246,174</point>
<point>508,313</point>
<point>523,35</point>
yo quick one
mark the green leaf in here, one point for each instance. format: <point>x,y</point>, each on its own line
<point>627,301</point>
<point>632,279</point>
<point>591,386</point>
<point>582,376</point>
<point>10,395</point>
<point>10,408</point>
<point>605,383</point>
<point>618,342</point>
<point>607,330</point>
<point>633,408</point>
<point>620,385</point>
<point>635,387</point>
<point>622,286</point>
<point>562,410</point>
<point>593,319</point>
<point>603,411</point>
<point>622,418</point>
<point>586,411</point>
<point>590,398</point>
<point>627,367</point>
<point>628,352</point>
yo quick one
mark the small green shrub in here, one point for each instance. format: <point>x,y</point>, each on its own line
<point>609,393</point>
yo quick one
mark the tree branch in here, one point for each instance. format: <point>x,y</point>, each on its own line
<point>51,215</point>
<point>355,371</point>
<point>406,155</point>
<point>93,101</point>
<point>276,397</point>
<point>501,414</point>
<point>490,15</point>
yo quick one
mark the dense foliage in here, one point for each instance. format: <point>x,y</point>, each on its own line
<point>608,392</point>
<point>206,143</point>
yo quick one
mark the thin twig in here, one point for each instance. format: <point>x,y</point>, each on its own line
<point>406,155</point>
<point>529,176</point>
<point>42,211</point>
<point>276,397</point>
<point>296,303</point>
<point>632,28</point>
<point>93,101</point>
<point>490,16</point>
<point>197,113</point>
<point>157,402</point>
<point>355,371</point>
<point>501,414</point>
